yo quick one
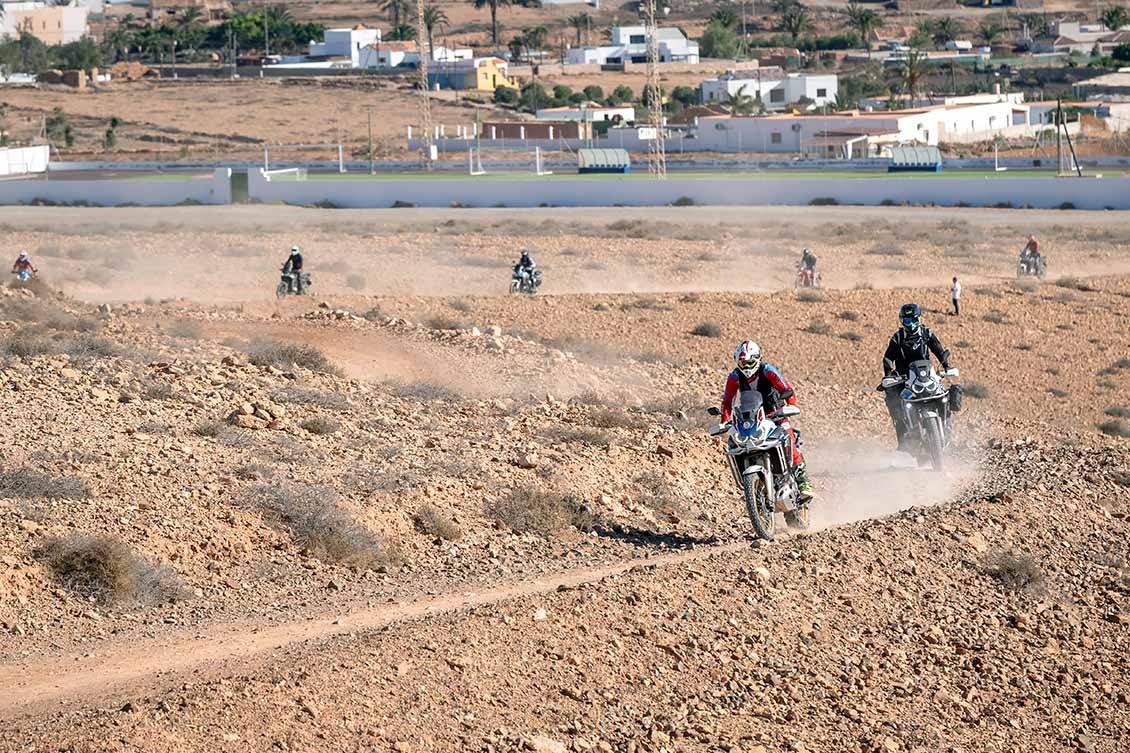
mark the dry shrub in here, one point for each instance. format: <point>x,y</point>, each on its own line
<point>27,483</point>
<point>37,285</point>
<point>154,390</point>
<point>320,425</point>
<point>707,329</point>
<point>108,571</point>
<point>186,328</point>
<point>1115,427</point>
<point>319,398</point>
<point>441,321</point>
<point>975,390</point>
<point>818,328</point>
<point>851,336</point>
<point>285,355</point>
<point>1058,393</point>
<point>528,510</point>
<point>887,249</point>
<point>808,295</point>
<point>430,520</point>
<point>322,527</point>
<point>209,428</point>
<point>252,472</point>
<point>355,281</point>
<point>995,317</point>
<point>1074,283</point>
<point>461,306</point>
<point>613,418</point>
<point>648,304</point>
<point>422,389</point>
<point>1118,411</point>
<point>1013,570</point>
<point>848,316</point>
<point>579,435</point>
<point>658,494</point>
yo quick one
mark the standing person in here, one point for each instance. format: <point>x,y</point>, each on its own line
<point>955,291</point>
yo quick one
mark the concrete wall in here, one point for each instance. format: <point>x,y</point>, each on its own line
<point>24,159</point>
<point>1084,193</point>
<point>109,192</point>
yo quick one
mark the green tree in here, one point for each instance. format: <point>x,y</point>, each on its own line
<point>581,23</point>
<point>434,18</point>
<point>685,95</point>
<point>396,10</point>
<point>864,21</point>
<point>911,71</point>
<point>990,31</point>
<point>740,103</point>
<point>594,93</point>
<point>59,127</point>
<point>561,92</point>
<point>83,54</point>
<point>505,95</point>
<point>494,6</point>
<point>117,41</point>
<point>533,96</point>
<point>945,29</point>
<point>720,42</point>
<point>724,16</point>
<point>1121,53</point>
<point>795,20</point>
<point>402,33</point>
<point>1115,17</point>
<point>620,95</point>
<point>536,37</point>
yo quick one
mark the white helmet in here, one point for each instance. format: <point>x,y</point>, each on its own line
<point>23,255</point>
<point>748,357</point>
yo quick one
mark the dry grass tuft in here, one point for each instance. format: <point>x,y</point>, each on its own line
<point>108,571</point>
<point>320,425</point>
<point>707,329</point>
<point>209,428</point>
<point>975,390</point>
<point>323,528</point>
<point>286,355</point>
<point>528,510</point>
<point>430,520</point>
<point>1013,570</point>
<point>189,329</point>
<point>808,295</point>
<point>27,483</point>
<point>1115,427</point>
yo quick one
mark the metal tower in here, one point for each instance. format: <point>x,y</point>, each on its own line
<point>425,55</point>
<point>657,153</point>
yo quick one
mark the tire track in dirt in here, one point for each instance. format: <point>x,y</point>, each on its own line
<point>149,665</point>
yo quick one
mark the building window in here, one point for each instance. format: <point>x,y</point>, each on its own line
<point>821,92</point>
<point>775,138</point>
<point>777,95</point>
<point>637,39</point>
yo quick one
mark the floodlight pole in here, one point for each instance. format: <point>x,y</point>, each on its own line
<point>371,167</point>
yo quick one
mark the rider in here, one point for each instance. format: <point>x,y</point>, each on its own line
<point>913,341</point>
<point>752,373</point>
<point>293,267</point>
<point>808,260</point>
<point>1031,250</point>
<point>23,264</point>
<point>525,266</point>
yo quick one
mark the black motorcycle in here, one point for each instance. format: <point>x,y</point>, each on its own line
<point>1032,266</point>
<point>525,281</point>
<point>928,408</point>
<point>288,284</point>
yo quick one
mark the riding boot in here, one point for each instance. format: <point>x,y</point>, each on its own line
<point>803,485</point>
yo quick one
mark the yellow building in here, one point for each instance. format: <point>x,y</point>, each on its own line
<point>478,74</point>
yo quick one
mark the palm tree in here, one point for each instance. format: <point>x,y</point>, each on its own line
<point>493,5</point>
<point>795,21</point>
<point>989,31</point>
<point>739,103</point>
<point>117,41</point>
<point>396,10</point>
<point>943,30</point>
<point>864,21</point>
<point>536,37</point>
<point>911,71</point>
<point>725,16</point>
<point>1115,17</point>
<point>402,33</point>
<point>581,22</point>
<point>433,17</point>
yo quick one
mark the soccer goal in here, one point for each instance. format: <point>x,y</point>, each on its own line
<point>475,162</point>
<point>538,164</point>
<point>286,174</point>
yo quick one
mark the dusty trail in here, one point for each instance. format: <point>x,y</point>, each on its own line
<point>75,681</point>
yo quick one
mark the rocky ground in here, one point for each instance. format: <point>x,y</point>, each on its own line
<point>382,519</point>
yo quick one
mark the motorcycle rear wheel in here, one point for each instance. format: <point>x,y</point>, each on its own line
<point>758,506</point>
<point>799,518</point>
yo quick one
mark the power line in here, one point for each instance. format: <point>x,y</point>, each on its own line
<point>657,153</point>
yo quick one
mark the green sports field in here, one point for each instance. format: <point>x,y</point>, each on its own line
<point>641,174</point>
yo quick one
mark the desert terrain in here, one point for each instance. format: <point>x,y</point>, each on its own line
<point>409,512</point>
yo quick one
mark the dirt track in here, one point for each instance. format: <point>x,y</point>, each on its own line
<point>890,633</point>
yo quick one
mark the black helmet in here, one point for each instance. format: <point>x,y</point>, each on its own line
<point>911,317</point>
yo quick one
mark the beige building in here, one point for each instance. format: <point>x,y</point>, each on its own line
<point>51,24</point>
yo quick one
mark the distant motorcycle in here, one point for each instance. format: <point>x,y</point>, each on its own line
<point>1032,266</point>
<point>806,278</point>
<point>929,407</point>
<point>287,284</point>
<point>23,275</point>
<point>525,281</point>
<point>759,450</point>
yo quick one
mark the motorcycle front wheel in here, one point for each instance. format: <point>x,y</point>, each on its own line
<point>934,443</point>
<point>282,290</point>
<point>758,506</point>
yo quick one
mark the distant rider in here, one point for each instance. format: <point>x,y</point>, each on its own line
<point>808,260</point>
<point>23,264</point>
<point>753,374</point>
<point>913,341</point>
<point>1030,254</point>
<point>293,267</point>
<point>525,267</point>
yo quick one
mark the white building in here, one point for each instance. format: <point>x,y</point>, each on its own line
<point>48,22</point>
<point>345,43</point>
<point>776,90</point>
<point>816,133</point>
<point>629,45</point>
<point>590,113</point>
<point>407,55</point>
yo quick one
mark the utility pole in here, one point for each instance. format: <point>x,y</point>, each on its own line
<point>372,170</point>
<point>266,30</point>
<point>657,152</point>
<point>425,52</point>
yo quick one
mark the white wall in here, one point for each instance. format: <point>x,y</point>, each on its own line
<point>215,189</point>
<point>1084,193</point>
<point>23,160</point>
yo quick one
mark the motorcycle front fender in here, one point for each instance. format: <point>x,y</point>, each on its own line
<point>754,469</point>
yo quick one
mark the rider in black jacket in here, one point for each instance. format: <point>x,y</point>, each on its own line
<point>293,267</point>
<point>912,342</point>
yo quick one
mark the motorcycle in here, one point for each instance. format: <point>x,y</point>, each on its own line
<point>287,284</point>
<point>23,275</point>
<point>1032,266</point>
<point>928,407</point>
<point>759,450</point>
<point>806,278</point>
<point>525,281</point>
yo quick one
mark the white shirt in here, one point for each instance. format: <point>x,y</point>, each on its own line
<point>956,290</point>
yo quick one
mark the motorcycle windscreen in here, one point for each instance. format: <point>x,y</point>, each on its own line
<point>749,412</point>
<point>922,377</point>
